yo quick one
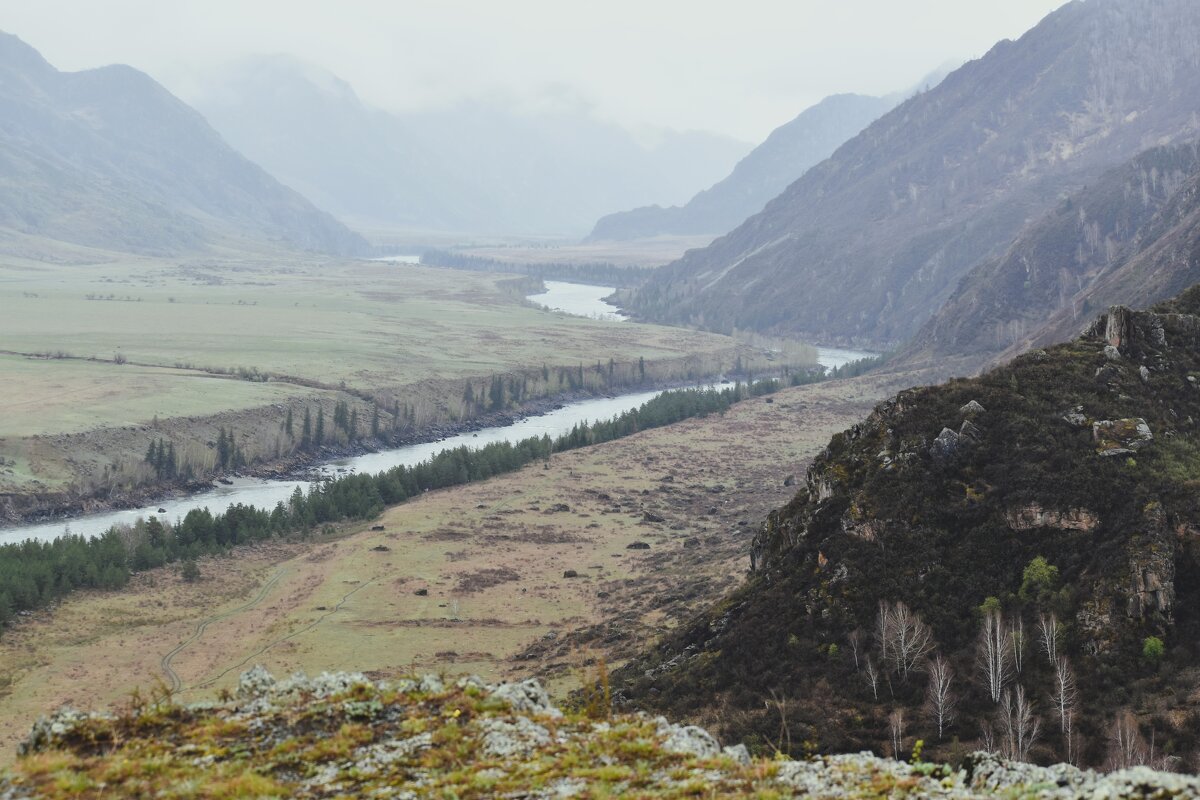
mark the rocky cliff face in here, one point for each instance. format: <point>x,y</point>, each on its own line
<point>342,735</point>
<point>1061,484</point>
<point>869,243</point>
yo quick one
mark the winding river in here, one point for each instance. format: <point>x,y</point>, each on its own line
<point>570,298</point>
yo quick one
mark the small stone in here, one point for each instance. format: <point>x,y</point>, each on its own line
<point>973,407</point>
<point>738,753</point>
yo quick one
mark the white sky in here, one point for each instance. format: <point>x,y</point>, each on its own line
<point>739,67</point>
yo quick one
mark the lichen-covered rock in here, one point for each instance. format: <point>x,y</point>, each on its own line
<point>1121,436</point>
<point>378,740</point>
<point>688,740</point>
<point>527,696</point>
<point>517,739</point>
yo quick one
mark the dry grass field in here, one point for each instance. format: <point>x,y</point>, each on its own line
<point>470,579</point>
<point>105,345</point>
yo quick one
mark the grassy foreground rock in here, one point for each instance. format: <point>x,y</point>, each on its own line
<point>342,735</point>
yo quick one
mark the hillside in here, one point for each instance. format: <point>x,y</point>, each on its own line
<point>476,167</point>
<point>1050,502</point>
<point>343,735</point>
<point>947,180</point>
<point>1130,238</point>
<point>765,172</point>
<point>109,158</point>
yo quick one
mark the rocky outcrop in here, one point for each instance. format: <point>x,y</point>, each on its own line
<point>1115,437</point>
<point>1033,515</point>
<point>400,740</point>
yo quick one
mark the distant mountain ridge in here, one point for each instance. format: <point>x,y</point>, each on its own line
<point>768,169</point>
<point>109,158</point>
<point>476,167</point>
<point>868,244</point>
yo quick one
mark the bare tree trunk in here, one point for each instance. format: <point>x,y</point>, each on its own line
<point>995,655</point>
<point>940,700</point>
<point>871,676</point>
<point>906,638</point>
<point>1048,631</point>
<point>1063,695</point>
<point>855,638</point>
<point>896,728</point>
<point>1016,636</point>
<point>1126,747</point>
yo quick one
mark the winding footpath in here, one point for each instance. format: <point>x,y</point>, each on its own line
<point>173,681</point>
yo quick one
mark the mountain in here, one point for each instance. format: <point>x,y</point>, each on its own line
<point>1050,501</point>
<point>343,734</point>
<point>1130,237</point>
<point>768,169</point>
<point>107,157</point>
<point>476,167</point>
<point>868,244</point>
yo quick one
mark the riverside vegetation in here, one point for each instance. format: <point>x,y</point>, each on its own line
<point>33,574</point>
<point>242,345</point>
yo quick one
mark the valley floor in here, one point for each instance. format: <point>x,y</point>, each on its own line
<point>102,353</point>
<point>490,559</point>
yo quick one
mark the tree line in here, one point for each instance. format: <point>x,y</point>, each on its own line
<point>34,574</point>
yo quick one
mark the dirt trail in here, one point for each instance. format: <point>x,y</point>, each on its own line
<point>173,680</point>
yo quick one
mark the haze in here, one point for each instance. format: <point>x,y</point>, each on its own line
<point>667,64</point>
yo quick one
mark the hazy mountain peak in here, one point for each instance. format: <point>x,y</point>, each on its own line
<point>108,157</point>
<point>499,164</point>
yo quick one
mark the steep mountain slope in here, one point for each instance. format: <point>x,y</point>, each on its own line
<point>1061,484</point>
<point>107,157</point>
<point>1128,238</point>
<point>790,150</point>
<point>475,167</point>
<point>868,244</point>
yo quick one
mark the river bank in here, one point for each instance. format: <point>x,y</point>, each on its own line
<point>270,482</point>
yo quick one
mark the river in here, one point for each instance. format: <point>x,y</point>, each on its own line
<point>572,298</point>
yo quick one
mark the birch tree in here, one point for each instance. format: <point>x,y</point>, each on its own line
<point>994,654</point>
<point>1063,695</point>
<point>855,638</point>
<point>871,676</point>
<point>1048,633</point>
<point>906,639</point>
<point>1016,638</point>
<point>896,728</point>
<point>1126,747</point>
<point>940,700</point>
<point>1019,726</point>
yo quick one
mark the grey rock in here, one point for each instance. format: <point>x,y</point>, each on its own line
<point>738,753</point>
<point>1121,436</point>
<point>973,407</point>
<point>512,739</point>
<point>432,684</point>
<point>945,446</point>
<point>527,696</point>
<point>1144,373</point>
<point>1112,353</point>
<point>690,740</point>
<point>255,682</point>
